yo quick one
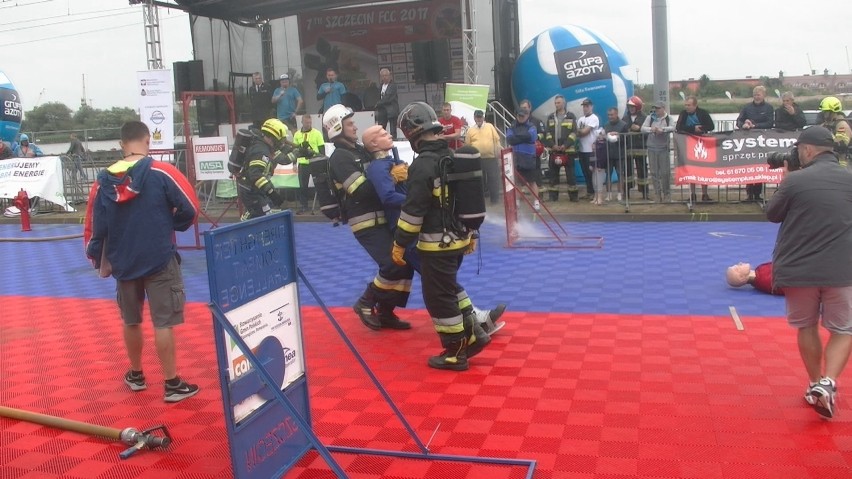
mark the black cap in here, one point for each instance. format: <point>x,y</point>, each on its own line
<point>478,113</point>
<point>817,136</point>
<point>587,102</point>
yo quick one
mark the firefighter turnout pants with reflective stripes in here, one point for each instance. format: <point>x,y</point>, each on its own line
<point>392,284</point>
<point>441,290</point>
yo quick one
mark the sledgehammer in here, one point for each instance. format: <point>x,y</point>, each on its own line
<point>134,438</point>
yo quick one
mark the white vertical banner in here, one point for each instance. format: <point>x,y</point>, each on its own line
<point>211,158</point>
<point>156,107</point>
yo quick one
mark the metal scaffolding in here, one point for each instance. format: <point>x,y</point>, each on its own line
<point>152,35</point>
<point>469,41</point>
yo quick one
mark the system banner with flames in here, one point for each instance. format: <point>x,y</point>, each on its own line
<point>730,158</point>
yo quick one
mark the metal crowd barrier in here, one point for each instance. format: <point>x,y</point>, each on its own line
<point>617,171</point>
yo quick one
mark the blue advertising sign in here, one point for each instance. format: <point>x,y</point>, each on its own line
<point>252,275</point>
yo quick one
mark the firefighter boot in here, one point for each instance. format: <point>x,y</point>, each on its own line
<point>454,355</point>
<point>573,196</point>
<point>388,319</point>
<point>553,195</point>
<point>365,311</point>
<point>476,337</point>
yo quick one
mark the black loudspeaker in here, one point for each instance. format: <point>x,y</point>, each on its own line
<point>431,61</point>
<point>189,76</point>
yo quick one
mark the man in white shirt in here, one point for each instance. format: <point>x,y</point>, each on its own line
<point>587,125</point>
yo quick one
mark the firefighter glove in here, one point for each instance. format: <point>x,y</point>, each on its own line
<point>399,173</point>
<point>396,254</point>
<point>471,247</point>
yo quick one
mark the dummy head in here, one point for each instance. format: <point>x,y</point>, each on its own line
<point>377,139</point>
<point>738,274</point>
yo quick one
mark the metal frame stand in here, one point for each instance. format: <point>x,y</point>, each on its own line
<point>186,99</point>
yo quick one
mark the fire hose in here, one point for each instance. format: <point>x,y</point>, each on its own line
<point>137,440</point>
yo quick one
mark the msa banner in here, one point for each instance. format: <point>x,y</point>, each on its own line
<point>40,177</point>
<point>211,158</point>
<point>156,107</point>
<point>730,158</point>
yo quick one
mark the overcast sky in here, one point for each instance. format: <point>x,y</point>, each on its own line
<point>46,46</point>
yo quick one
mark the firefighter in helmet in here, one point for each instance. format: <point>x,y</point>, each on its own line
<point>835,121</point>
<point>363,210</point>
<point>254,185</point>
<point>428,218</point>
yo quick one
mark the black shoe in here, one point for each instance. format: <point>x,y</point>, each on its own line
<point>705,198</point>
<point>453,358</point>
<point>693,198</point>
<point>392,321</point>
<point>367,315</point>
<point>477,338</point>
<point>758,198</point>
<point>180,392</point>
<point>136,382</point>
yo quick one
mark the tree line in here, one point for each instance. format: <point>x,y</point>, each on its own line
<point>56,119</point>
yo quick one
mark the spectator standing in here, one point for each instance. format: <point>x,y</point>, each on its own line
<point>756,115</point>
<point>5,151</point>
<point>615,151</point>
<point>76,152</point>
<point>134,209</point>
<point>587,126</point>
<point>453,126</point>
<point>288,101</point>
<point>694,120</point>
<point>331,92</point>
<point>259,99</point>
<point>485,138</point>
<point>637,154</point>
<point>658,125</point>
<point>25,149</point>
<point>521,136</point>
<point>309,139</point>
<point>387,109</point>
<point>789,116</point>
<point>560,136</point>
<point>539,147</point>
<point>811,261</point>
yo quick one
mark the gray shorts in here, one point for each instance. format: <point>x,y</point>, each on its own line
<point>166,297</point>
<point>806,305</point>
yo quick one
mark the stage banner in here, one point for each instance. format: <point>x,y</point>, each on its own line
<point>360,40</point>
<point>156,107</point>
<point>730,158</point>
<point>40,177</point>
<point>466,99</point>
<point>211,158</point>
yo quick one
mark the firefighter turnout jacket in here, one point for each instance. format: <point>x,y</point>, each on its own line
<point>423,219</point>
<point>561,132</point>
<point>362,206</point>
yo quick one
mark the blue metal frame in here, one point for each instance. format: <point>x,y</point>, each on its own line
<point>270,440</point>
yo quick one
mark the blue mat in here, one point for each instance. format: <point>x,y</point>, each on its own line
<point>643,268</point>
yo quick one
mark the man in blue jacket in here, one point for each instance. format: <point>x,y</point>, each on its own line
<point>521,137</point>
<point>134,209</point>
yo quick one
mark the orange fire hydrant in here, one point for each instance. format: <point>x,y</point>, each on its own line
<point>22,202</point>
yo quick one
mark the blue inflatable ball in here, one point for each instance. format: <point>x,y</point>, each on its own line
<point>574,62</point>
<point>10,117</point>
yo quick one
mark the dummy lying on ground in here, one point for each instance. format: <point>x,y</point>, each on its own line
<point>760,277</point>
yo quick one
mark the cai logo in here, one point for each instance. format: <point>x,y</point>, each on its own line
<point>701,149</point>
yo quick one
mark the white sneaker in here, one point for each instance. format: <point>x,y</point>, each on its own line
<point>609,196</point>
<point>536,205</point>
<point>619,197</point>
